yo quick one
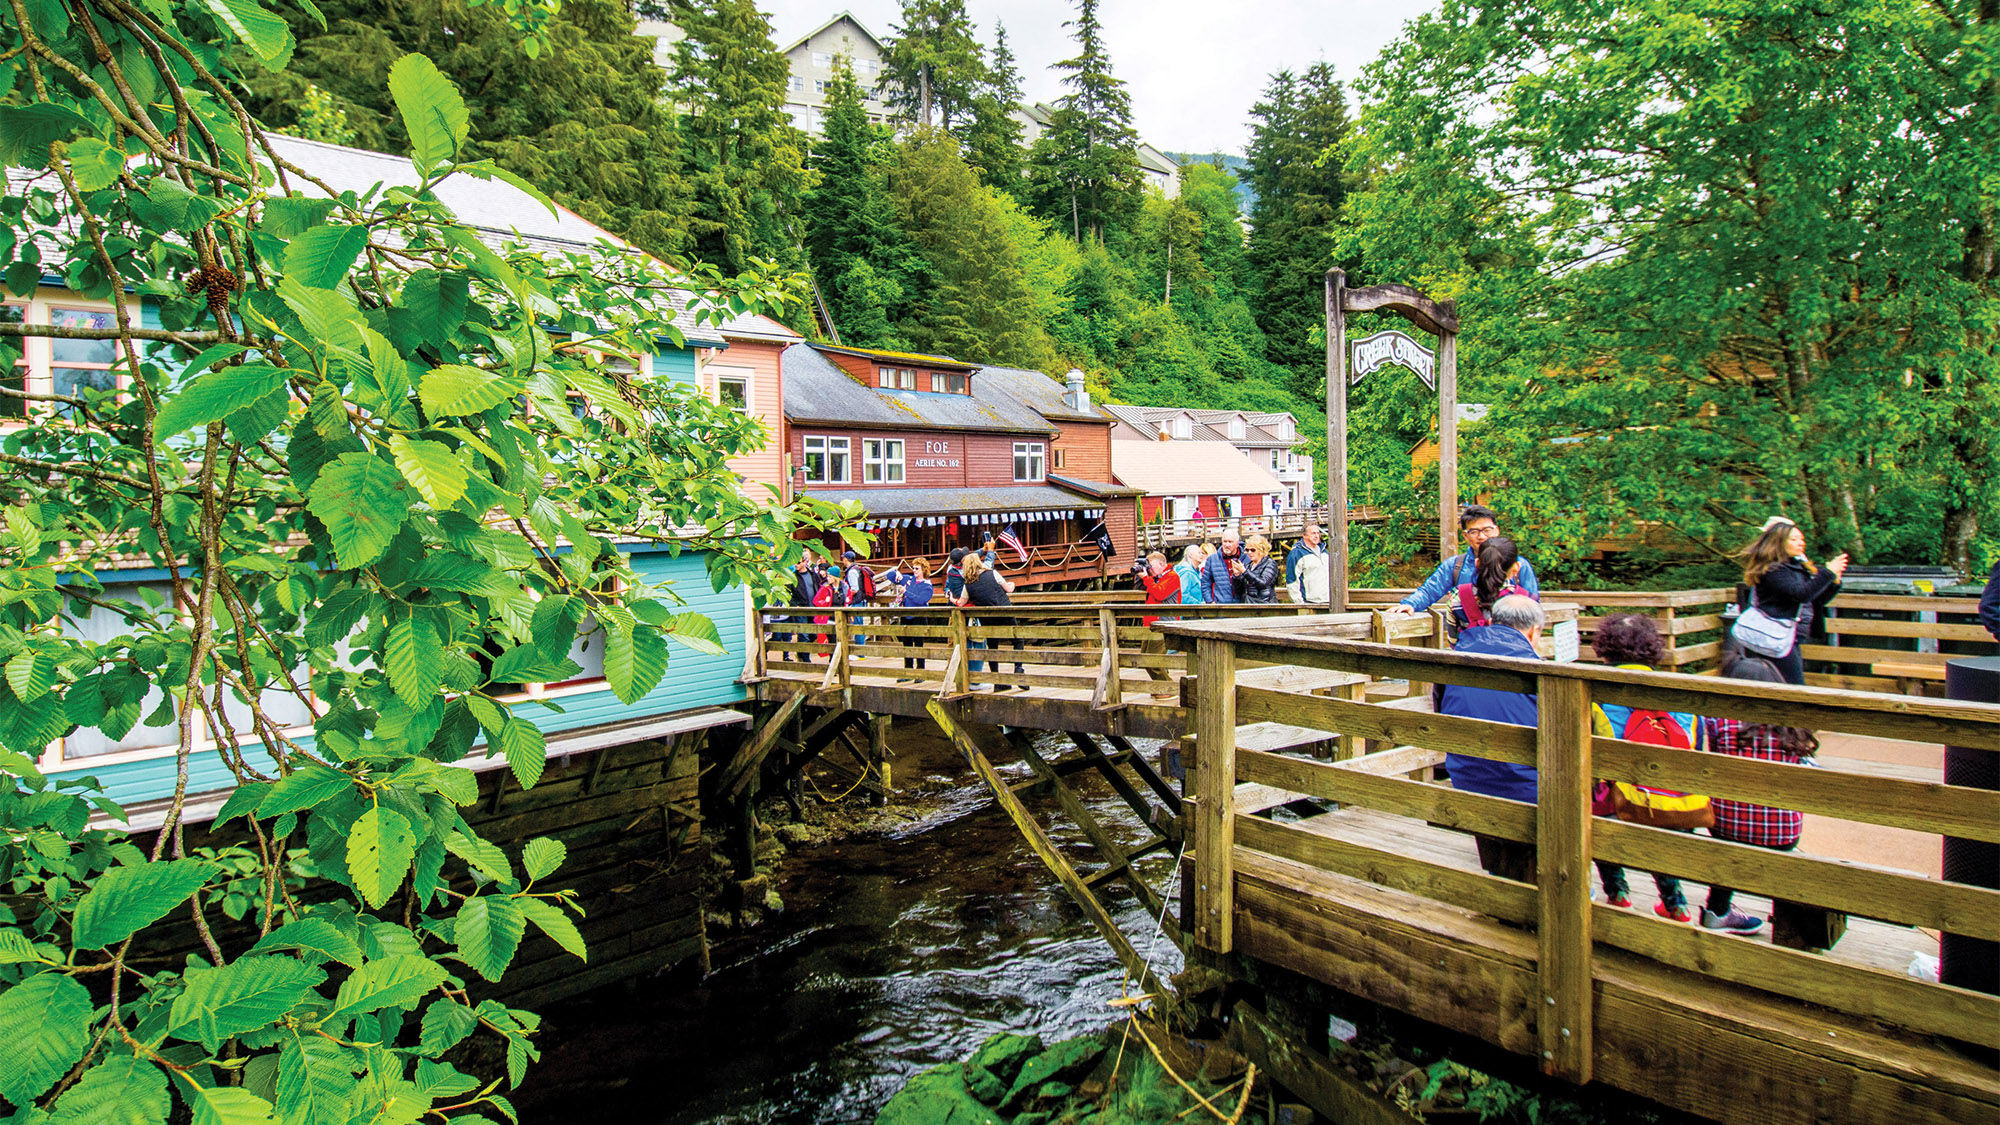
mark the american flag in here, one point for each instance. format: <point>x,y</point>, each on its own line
<point>1007,538</point>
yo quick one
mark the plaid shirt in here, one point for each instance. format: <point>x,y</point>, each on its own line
<point>1741,821</point>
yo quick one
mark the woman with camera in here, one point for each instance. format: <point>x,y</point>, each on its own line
<point>1261,572</point>
<point>1787,592</point>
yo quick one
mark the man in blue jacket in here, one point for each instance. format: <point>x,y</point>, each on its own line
<point>1517,622</point>
<point>1222,573</point>
<point>1477,524</point>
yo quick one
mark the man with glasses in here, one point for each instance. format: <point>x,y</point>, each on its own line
<point>1477,524</point>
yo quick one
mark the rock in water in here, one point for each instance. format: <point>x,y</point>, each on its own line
<point>937,1097</point>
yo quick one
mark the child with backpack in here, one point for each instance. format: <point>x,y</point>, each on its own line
<point>1632,640</point>
<point>1741,821</point>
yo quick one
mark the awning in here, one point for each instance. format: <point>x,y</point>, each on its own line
<point>934,507</point>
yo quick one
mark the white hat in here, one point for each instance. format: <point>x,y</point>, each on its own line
<point>1775,521</point>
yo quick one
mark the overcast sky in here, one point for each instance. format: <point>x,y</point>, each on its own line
<point>1194,68</point>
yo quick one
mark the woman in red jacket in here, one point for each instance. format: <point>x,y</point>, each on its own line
<point>1163,586</point>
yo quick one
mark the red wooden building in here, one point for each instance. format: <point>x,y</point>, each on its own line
<point>941,453</point>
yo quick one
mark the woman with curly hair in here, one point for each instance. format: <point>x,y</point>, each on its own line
<point>1633,641</point>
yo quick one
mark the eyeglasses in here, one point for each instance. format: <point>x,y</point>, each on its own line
<point>1486,531</point>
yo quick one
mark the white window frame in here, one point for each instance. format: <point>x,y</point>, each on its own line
<point>1035,454</point>
<point>828,448</point>
<point>1277,459</point>
<point>1180,426</point>
<point>823,58</point>
<point>896,378</point>
<point>1239,430</point>
<point>37,361</point>
<point>743,375</point>
<point>795,84</point>
<point>882,461</point>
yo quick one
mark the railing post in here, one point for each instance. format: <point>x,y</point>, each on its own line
<point>1563,870</point>
<point>961,643</point>
<point>761,637</point>
<point>1215,794</point>
<point>1667,630</point>
<point>1109,691</point>
<point>843,649</point>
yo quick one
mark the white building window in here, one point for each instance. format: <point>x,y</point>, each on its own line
<point>1276,460</point>
<point>732,388</point>
<point>1181,427</point>
<point>882,461</point>
<point>951,384</point>
<point>819,86</point>
<point>897,379</point>
<point>867,66</point>
<point>72,368</point>
<point>822,58</point>
<point>1237,430</point>
<point>796,84</point>
<point>1029,457</point>
<point>826,460</point>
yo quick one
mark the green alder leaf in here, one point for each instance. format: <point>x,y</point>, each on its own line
<point>321,257</point>
<point>265,34</point>
<point>525,664</point>
<point>27,131</point>
<point>216,395</point>
<point>121,1090</point>
<point>333,619</point>
<point>228,1105</point>
<point>484,856</point>
<point>436,303</point>
<point>363,502</point>
<point>288,216</point>
<point>433,113</point>
<point>635,658</point>
<point>526,750</point>
<point>414,658</point>
<point>244,995</point>
<point>128,898</point>
<point>243,801</point>
<point>45,1023</point>
<point>489,929</point>
<point>696,631</point>
<point>306,787</point>
<point>543,855</point>
<point>30,675</point>
<point>560,929</point>
<point>443,1080</point>
<point>16,948</point>
<point>315,937</point>
<point>380,848</point>
<point>449,570</point>
<point>397,981</point>
<point>431,468</point>
<point>313,1083</point>
<point>455,388</point>
<point>446,1024</point>
<point>94,164</point>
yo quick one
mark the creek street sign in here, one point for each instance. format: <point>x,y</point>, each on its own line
<point>1393,347</point>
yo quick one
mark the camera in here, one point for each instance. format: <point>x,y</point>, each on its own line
<point>1139,566</point>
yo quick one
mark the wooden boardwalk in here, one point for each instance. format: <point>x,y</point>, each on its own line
<point>1318,841</point>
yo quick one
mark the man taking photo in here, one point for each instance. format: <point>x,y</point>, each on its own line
<point>1478,524</point>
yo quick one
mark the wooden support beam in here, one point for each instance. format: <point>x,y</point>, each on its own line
<point>1564,1019</point>
<point>1215,795</point>
<point>1332,1092</point>
<point>1135,966</point>
<point>1161,820</point>
<point>1074,808</point>
<point>1146,772</point>
<point>1109,691</point>
<point>744,765</point>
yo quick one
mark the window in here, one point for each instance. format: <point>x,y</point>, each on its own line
<point>1057,458</point>
<point>1237,430</point>
<point>64,367</point>
<point>1028,460</point>
<point>1276,459</point>
<point>1181,427</point>
<point>1285,428</point>
<point>822,58</point>
<point>796,84</point>
<point>882,461</point>
<point>867,66</point>
<point>819,86</point>
<point>826,460</point>
<point>897,379</point>
<point>732,388</point>
<point>951,384</point>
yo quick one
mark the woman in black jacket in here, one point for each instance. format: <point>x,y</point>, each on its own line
<point>1787,586</point>
<point>1260,572</point>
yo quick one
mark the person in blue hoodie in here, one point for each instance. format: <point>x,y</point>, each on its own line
<point>1516,623</point>
<point>1478,524</point>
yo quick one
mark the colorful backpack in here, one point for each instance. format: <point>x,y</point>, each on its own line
<point>1645,804</point>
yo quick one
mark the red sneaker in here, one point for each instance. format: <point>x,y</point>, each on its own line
<point>1677,914</point>
<point>1622,902</point>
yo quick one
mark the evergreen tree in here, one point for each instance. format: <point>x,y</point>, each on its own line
<point>582,121</point>
<point>1084,170</point>
<point>993,140</point>
<point>935,67</point>
<point>1300,192</point>
<point>867,268</point>
<point>745,158</point>
<point>979,306</point>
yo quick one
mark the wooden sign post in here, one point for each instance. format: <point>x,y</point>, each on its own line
<point>1440,319</point>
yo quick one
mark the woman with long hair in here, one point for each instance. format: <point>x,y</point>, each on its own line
<point>985,587</point>
<point>1496,565</point>
<point>1786,586</point>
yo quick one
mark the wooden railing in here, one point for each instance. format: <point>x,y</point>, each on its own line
<point>1373,896</point>
<point>1164,534</point>
<point>1047,562</point>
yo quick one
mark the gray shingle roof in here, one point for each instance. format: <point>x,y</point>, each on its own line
<point>1209,425</point>
<point>1030,390</point>
<point>817,392</point>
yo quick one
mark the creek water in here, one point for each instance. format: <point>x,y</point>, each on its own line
<point>898,950</point>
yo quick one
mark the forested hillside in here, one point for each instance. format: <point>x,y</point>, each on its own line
<point>1686,314</point>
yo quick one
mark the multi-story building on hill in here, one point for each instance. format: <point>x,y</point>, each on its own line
<point>812,58</point>
<point>1270,440</point>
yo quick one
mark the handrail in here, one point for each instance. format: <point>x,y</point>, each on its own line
<point>1556,902</point>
